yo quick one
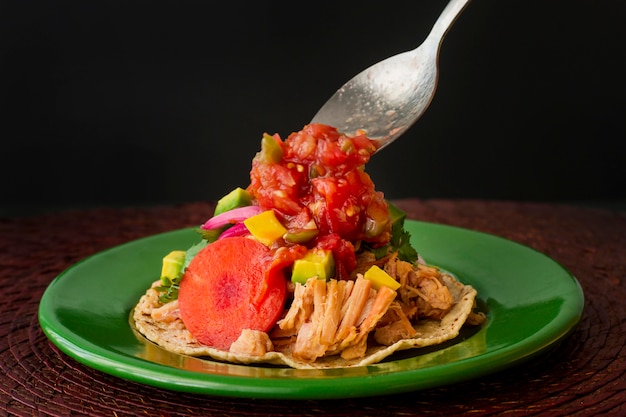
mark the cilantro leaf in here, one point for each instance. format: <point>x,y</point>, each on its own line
<point>169,289</point>
<point>192,251</point>
<point>400,241</point>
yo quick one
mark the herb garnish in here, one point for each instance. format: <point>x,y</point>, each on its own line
<point>400,241</point>
<point>169,286</point>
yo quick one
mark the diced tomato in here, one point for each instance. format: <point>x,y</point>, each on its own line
<point>285,256</point>
<point>321,177</point>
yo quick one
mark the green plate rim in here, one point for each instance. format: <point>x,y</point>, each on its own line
<point>558,305</point>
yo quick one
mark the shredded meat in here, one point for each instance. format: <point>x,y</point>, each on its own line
<point>252,342</point>
<point>379,306</point>
<point>167,313</point>
<point>301,308</point>
<point>421,286</point>
<point>422,294</point>
<point>334,317</point>
<point>396,326</point>
<point>434,299</point>
<point>351,311</point>
<point>337,317</point>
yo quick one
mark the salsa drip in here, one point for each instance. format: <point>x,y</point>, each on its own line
<point>315,181</point>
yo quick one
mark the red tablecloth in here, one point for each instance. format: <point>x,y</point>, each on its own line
<point>584,375</point>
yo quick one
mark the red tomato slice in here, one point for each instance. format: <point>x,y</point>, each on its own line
<point>230,286</point>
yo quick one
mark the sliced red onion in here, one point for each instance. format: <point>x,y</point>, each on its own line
<point>238,229</point>
<point>232,216</point>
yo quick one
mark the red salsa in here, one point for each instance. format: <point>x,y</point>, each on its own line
<point>316,182</point>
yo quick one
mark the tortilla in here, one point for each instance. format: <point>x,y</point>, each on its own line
<point>174,337</point>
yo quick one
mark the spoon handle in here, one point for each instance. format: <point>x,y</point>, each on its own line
<point>445,20</point>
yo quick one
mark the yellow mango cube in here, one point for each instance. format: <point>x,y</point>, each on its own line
<point>265,227</point>
<point>380,278</point>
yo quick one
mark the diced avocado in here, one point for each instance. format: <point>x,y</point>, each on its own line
<point>316,263</point>
<point>172,265</point>
<point>395,214</point>
<point>305,234</point>
<point>380,278</point>
<point>270,150</point>
<point>301,236</point>
<point>236,198</point>
<point>265,227</point>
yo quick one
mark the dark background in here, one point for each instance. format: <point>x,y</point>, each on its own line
<point>161,102</point>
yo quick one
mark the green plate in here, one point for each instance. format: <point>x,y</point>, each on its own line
<point>531,301</point>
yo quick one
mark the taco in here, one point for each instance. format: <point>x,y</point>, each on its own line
<point>308,267</point>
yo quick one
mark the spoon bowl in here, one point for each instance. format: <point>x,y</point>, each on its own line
<point>384,100</point>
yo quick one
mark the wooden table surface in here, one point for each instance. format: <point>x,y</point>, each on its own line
<point>582,376</point>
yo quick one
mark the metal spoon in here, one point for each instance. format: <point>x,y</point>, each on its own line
<point>386,99</point>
